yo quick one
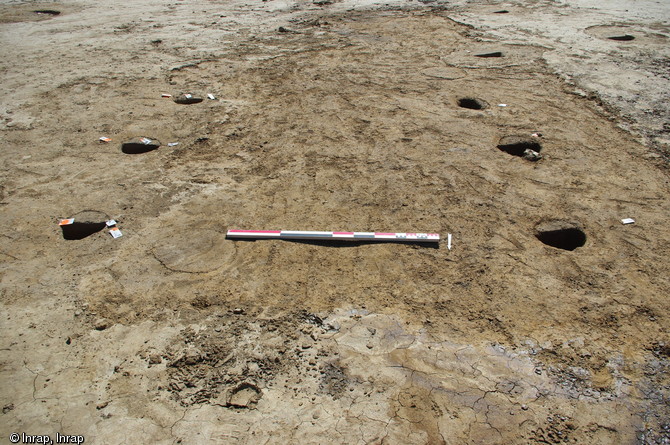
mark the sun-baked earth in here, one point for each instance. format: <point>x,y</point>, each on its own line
<point>546,322</point>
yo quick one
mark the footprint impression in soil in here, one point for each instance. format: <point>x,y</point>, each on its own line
<point>198,251</point>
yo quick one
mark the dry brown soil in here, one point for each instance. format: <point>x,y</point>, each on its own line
<point>348,120</point>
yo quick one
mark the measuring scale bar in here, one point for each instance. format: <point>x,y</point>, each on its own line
<point>316,235</point>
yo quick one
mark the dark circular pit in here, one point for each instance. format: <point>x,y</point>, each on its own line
<point>489,55</point>
<point>47,11</point>
<point>561,234</point>
<point>139,145</point>
<point>187,99</point>
<point>86,223</point>
<point>624,38</point>
<point>472,103</point>
<point>519,145</point>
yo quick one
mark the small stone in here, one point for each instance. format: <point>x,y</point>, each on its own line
<point>306,346</point>
<point>332,326</point>
<point>524,407</point>
<point>538,371</point>
<point>372,331</point>
<point>155,359</point>
<point>369,345</point>
<point>531,155</point>
<point>238,311</point>
<point>101,324</point>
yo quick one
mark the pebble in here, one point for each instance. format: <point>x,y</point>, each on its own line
<point>155,359</point>
<point>238,311</point>
<point>531,155</point>
<point>524,407</point>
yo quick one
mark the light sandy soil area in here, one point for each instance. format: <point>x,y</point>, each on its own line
<point>522,128</point>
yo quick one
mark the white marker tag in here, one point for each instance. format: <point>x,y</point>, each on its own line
<point>66,222</point>
<point>211,96</point>
<point>116,233</point>
<point>502,105</point>
<point>627,221</point>
<point>188,96</point>
<point>110,223</point>
<point>145,141</point>
<point>172,144</point>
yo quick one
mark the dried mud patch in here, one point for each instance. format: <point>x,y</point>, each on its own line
<point>204,367</point>
<point>384,377</point>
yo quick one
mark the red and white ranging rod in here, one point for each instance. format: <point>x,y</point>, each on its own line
<point>350,236</point>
